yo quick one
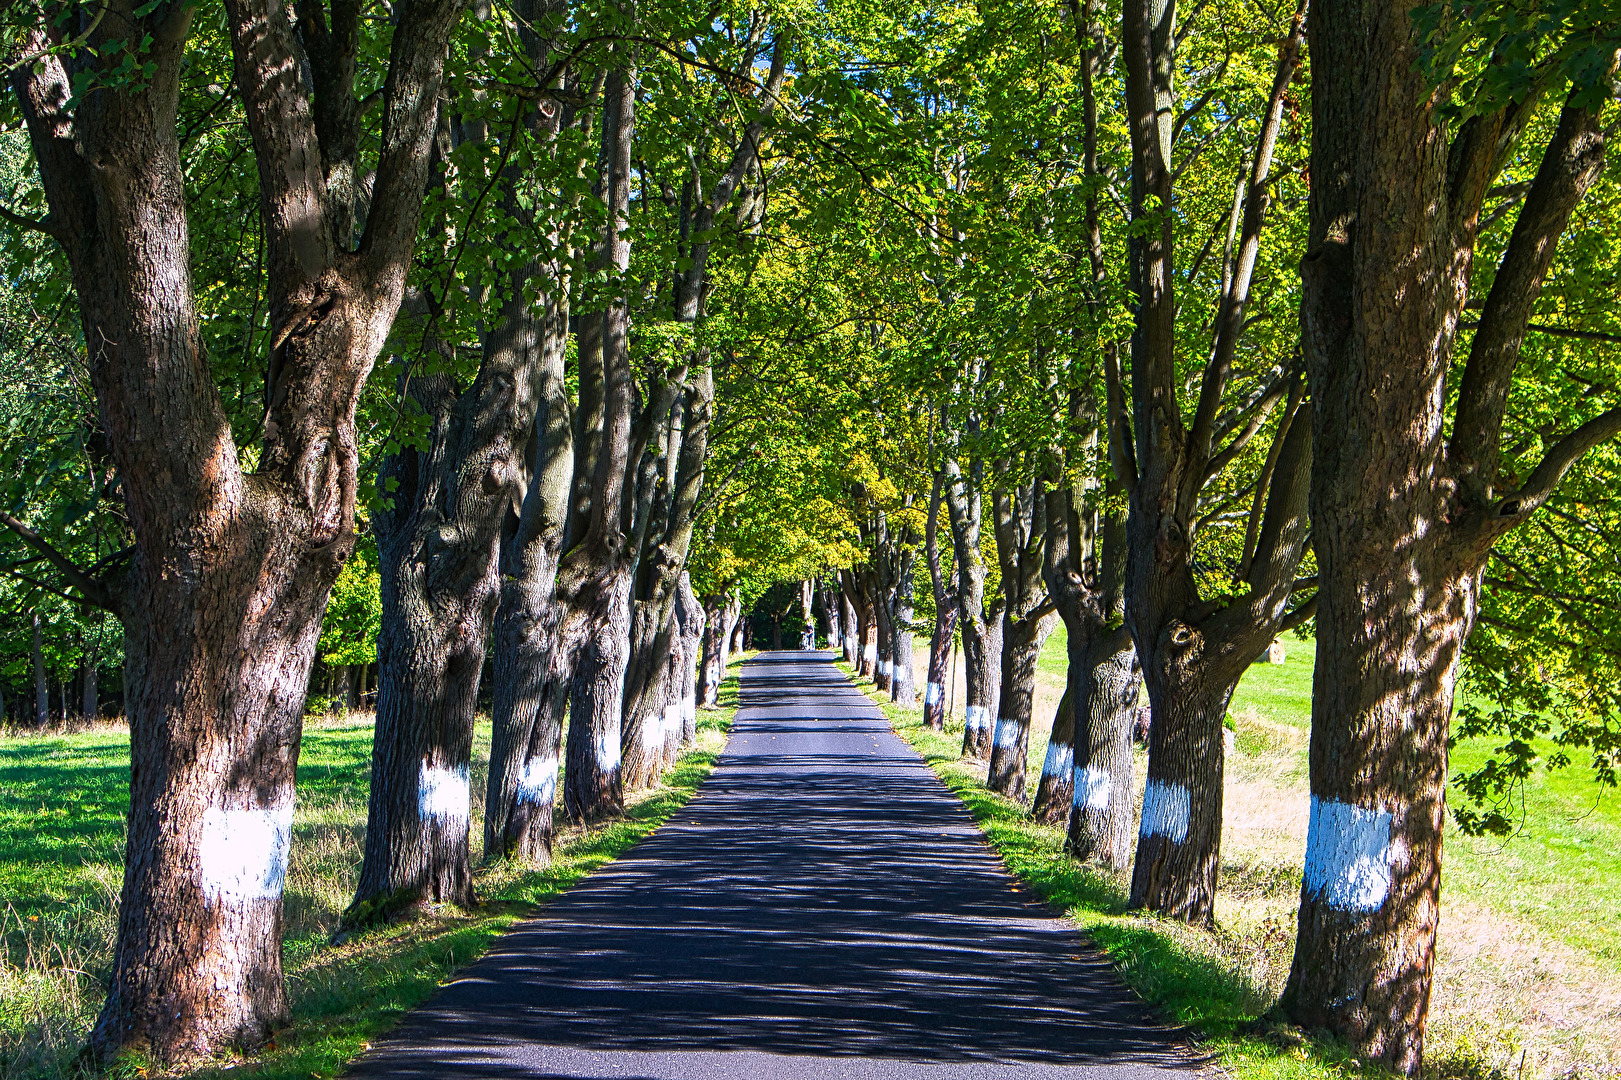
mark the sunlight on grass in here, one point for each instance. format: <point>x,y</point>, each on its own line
<point>1223,984</point>
<point>62,805</point>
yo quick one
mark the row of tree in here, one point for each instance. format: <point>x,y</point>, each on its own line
<point>1319,392</point>
<point>555,336</point>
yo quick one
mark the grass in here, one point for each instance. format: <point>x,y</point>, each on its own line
<point>63,799</point>
<point>1526,973</point>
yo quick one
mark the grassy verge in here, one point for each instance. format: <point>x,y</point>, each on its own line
<point>1528,958</point>
<point>1187,973</point>
<point>63,800</point>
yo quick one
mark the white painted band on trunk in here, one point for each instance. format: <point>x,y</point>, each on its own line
<point>607,750</point>
<point>442,794</point>
<point>1060,759</point>
<point>653,729</point>
<point>1349,854</point>
<point>538,784</point>
<point>242,854</point>
<point>1165,811</point>
<point>933,694</point>
<point>1007,733</point>
<point>871,654</point>
<point>1093,787</point>
<point>689,706</point>
<point>978,717</point>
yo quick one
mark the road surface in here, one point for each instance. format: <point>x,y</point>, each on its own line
<point>822,908</point>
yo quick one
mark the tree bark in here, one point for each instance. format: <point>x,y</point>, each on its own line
<point>219,655</point>
<point>981,626</point>
<point>713,664</point>
<point>42,689</point>
<point>91,696</point>
<point>945,615</point>
<point>1021,536</point>
<point>903,680</point>
<point>594,581</point>
<point>1403,519</point>
<point>1193,651</point>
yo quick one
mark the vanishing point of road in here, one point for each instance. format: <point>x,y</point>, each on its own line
<point>822,908</point>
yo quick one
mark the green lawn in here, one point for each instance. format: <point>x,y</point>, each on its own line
<point>62,806</point>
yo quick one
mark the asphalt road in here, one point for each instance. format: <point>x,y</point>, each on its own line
<point>823,908</point>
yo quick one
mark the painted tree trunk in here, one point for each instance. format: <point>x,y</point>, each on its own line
<point>903,678</point>
<point>198,962</point>
<point>882,596</point>
<point>1179,839</point>
<point>935,687</point>
<point>712,667</point>
<point>849,632</point>
<point>526,793</point>
<point>694,625</point>
<point>982,677</point>
<point>592,787</point>
<point>430,647</point>
<point>1010,745</point>
<point>1100,827</point>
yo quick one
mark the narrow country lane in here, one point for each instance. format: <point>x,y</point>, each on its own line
<point>824,907</point>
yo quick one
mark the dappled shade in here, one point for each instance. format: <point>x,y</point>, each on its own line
<point>823,895</point>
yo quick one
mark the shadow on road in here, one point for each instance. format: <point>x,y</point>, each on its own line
<point>822,895</point>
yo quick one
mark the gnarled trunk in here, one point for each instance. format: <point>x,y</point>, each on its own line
<point>1100,826</point>
<point>223,597</point>
<point>1022,640</point>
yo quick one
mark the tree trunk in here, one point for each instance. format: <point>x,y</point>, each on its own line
<point>530,678</point>
<point>694,623</point>
<point>712,666</point>
<point>42,689</point>
<point>220,653</point>
<point>91,692</point>
<point>883,596</point>
<point>1022,640</point>
<point>1179,840</point>
<point>945,615</point>
<point>1100,827</point>
<point>1051,805</point>
<point>849,631</point>
<point>903,679</point>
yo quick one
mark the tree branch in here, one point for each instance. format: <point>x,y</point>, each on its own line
<point>1516,507</point>
<point>1574,158</point>
<point>94,591</point>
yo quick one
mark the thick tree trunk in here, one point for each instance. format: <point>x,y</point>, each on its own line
<point>593,790</point>
<point>438,600</point>
<point>1179,839</point>
<point>982,679</point>
<point>1100,827</point>
<point>224,594</point>
<point>530,676</point>
<point>1022,640</point>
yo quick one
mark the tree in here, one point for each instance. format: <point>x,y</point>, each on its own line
<point>219,655</point>
<point>1409,493</point>
<point>1194,646</point>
